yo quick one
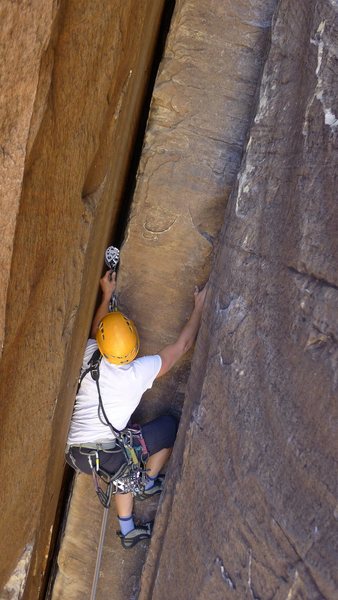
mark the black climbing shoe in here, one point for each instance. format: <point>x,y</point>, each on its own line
<point>155,489</point>
<point>143,532</point>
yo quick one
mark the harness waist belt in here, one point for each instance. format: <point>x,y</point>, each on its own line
<point>93,446</point>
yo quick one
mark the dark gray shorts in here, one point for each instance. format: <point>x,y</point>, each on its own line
<point>158,434</point>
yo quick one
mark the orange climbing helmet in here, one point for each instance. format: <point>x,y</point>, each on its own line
<point>117,338</point>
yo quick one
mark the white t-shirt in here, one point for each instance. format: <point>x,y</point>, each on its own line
<point>121,386</point>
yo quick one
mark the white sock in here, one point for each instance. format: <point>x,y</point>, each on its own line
<point>150,482</point>
<point>126,524</point>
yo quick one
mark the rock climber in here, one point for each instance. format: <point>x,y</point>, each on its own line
<point>123,380</point>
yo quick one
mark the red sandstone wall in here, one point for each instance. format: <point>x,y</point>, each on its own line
<point>257,441</point>
<point>74,80</point>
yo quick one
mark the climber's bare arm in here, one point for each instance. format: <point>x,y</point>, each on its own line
<point>173,352</point>
<point>108,286</point>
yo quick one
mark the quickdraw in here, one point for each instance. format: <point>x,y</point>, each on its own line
<point>112,257</point>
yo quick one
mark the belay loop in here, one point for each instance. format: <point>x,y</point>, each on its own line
<point>131,476</point>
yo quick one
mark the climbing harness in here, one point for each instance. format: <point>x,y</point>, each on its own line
<point>131,476</point>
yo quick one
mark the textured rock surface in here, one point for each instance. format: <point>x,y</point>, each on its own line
<point>19,81</point>
<point>202,103</point>
<point>76,559</point>
<point>74,76</point>
<point>250,508</point>
<point>254,505</point>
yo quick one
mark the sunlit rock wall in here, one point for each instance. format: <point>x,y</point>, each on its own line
<point>73,80</point>
<point>255,508</point>
<point>204,98</point>
<point>202,105</point>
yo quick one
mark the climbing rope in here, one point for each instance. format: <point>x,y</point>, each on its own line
<point>101,542</point>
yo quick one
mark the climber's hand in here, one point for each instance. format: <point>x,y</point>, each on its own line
<point>174,352</point>
<point>108,284</point>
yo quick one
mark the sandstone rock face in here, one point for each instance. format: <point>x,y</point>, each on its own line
<point>19,81</point>
<point>203,101</point>
<point>254,506</point>
<point>73,81</point>
<point>250,505</point>
<point>202,105</point>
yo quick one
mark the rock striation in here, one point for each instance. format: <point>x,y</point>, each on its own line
<point>253,501</point>
<point>250,505</point>
<point>74,76</point>
<point>203,101</point>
